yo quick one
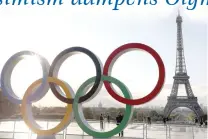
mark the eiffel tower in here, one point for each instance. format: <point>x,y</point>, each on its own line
<point>181,77</point>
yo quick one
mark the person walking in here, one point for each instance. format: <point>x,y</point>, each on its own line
<point>101,121</point>
<point>149,120</point>
<point>164,120</point>
<point>196,121</point>
<point>201,122</point>
<point>119,118</point>
<point>108,118</point>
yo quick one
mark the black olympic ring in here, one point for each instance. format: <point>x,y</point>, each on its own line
<point>60,58</point>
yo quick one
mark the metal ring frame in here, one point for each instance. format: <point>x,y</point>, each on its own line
<point>74,101</point>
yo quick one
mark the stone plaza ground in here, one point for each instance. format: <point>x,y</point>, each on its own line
<point>132,131</point>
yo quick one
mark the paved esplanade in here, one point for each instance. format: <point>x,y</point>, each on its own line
<point>132,131</point>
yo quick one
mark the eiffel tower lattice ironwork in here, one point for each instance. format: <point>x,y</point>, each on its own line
<point>181,77</point>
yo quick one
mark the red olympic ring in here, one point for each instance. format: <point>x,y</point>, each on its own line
<point>119,51</point>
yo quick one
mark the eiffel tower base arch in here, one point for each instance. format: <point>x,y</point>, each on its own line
<point>191,103</point>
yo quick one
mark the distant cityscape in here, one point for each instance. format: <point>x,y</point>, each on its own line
<point>140,114</point>
<point>93,112</point>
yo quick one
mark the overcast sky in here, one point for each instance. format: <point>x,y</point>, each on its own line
<point>50,30</point>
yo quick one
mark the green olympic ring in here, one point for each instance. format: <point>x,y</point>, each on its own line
<point>79,116</point>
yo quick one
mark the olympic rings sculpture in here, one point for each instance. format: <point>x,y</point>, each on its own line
<point>40,87</point>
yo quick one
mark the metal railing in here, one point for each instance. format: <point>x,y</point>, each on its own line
<point>147,131</point>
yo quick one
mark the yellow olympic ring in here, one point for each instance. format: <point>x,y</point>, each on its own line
<point>26,115</point>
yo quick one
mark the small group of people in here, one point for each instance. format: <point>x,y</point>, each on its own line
<point>165,119</point>
<point>102,118</point>
<point>201,123</point>
<point>119,118</point>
